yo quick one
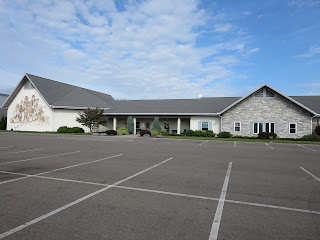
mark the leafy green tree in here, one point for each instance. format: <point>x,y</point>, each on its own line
<point>3,123</point>
<point>130,125</point>
<point>156,124</point>
<point>92,118</point>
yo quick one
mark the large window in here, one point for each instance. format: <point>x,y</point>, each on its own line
<point>204,126</point>
<point>270,127</point>
<point>257,127</point>
<point>237,126</point>
<point>292,128</point>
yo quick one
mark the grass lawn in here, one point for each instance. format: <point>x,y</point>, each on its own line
<point>8,131</point>
<point>243,140</point>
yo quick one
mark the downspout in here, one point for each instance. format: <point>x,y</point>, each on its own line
<point>220,122</point>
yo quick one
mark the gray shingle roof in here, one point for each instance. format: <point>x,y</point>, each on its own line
<point>312,102</point>
<point>61,94</point>
<point>203,105</point>
<point>3,98</point>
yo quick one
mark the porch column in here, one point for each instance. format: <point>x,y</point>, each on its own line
<point>114,123</point>
<point>179,126</point>
<point>134,125</point>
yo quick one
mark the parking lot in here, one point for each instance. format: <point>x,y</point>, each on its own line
<point>98,187</point>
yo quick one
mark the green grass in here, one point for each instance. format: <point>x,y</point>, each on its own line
<point>7,131</point>
<point>243,140</point>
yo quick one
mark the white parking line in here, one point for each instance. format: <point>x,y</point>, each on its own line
<point>29,159</point>
<point>204,142</point>
<point>59,169</point>
<point>39,149</point>
<point>218,215</point>
<point>312,175</point>
<point>76,202</point>
<point>306,148</point>
<point>269,145</point>
<point>235,144</point>
<point>7,147</point>
<point>171,193</point>
<point>87,139</point>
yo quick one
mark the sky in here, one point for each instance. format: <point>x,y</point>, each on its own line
<point>159,49</point>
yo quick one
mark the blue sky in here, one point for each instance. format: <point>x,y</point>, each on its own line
<point>162,48</point>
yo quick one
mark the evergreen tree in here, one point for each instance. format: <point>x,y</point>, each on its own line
<point>92,118</point>
<point>130,125</point>
<point>156,124</point>
<point>3,123</point>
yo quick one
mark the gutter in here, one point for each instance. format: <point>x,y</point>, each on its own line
<point>159,114</point>
<point>70,107</point>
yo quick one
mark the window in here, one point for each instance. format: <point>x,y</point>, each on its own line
<point>237,126</point>
<point>137,124</point>
<point>270,127</point>
<point>28,85</point>
<point>148,125</point>
<point>204,126</point>
<point>292,128</point>
<point>265,92</point>
<point>257,127</point>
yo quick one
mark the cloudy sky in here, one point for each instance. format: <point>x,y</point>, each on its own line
<point>150,49</point>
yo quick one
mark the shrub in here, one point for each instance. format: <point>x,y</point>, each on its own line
<point>3,123</point>
<point>130,125</point>
<point>163,132</point>
<point>190,133</point>
<point>244,137</point>
<point>224,135</point>
<point>199,133</point>
<point>122,132</point>
<point>210,133</point>
<point>267,135</point>
<point>311,137</point>
<point>154,133</point>
<point>156,124</point>
<point>173,134</point>
<point>143,132</point>
<point>124,129</point>
<point>77,130</point>
<point>317,130</point>
<point>111,132</point>
<point>65,129</point>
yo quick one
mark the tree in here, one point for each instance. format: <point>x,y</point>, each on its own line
<point>92,118</point>
<point>156,124</point>
<point>130,125</point>
<point>3,123</point>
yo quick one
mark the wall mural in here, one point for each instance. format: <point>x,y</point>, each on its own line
<point>29,111</point>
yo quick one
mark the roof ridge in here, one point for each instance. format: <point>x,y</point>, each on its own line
<point>163,99</point>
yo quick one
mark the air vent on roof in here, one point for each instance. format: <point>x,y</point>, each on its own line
<point>259,93</point>
<point>28,85</point>
<point>269,93</point>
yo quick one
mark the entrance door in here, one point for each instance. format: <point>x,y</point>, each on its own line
<point>167,126</point>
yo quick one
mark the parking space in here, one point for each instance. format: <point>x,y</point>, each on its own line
<point>95,187</point>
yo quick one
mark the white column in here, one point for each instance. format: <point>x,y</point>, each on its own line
<point>114,123</point>
<point>179,126</point>
<point>134,125</point>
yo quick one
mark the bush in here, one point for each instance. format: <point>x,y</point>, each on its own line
<point>111,132</point>
<point>224,135</point>
<point>124,129</point>
<point>65,129</point>
<point>199,133</point>
<point>163,132</point>
<point>244,137</point>
<point>173,134</point>
<point>130,125</point>
<point>190,133</point>
<point>267,135</point>
<point>317,130</point>
<point>156,124</point>
<point>3,123</point>
<point>122,132</point>
<point>143,132</point>
<point>311,137</point>
<point>154,133</point>
<point>210,133</point>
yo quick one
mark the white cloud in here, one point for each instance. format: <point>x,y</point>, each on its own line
<point>146,50</point>
<point>222,27</point>
<point>313,51</point>
<point>303,3</point>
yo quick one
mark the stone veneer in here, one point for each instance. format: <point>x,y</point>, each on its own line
<point>279,110</point>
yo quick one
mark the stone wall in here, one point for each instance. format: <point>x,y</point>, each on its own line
<point>278,110</point>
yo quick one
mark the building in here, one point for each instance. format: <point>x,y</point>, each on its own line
<point>40,104</point>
